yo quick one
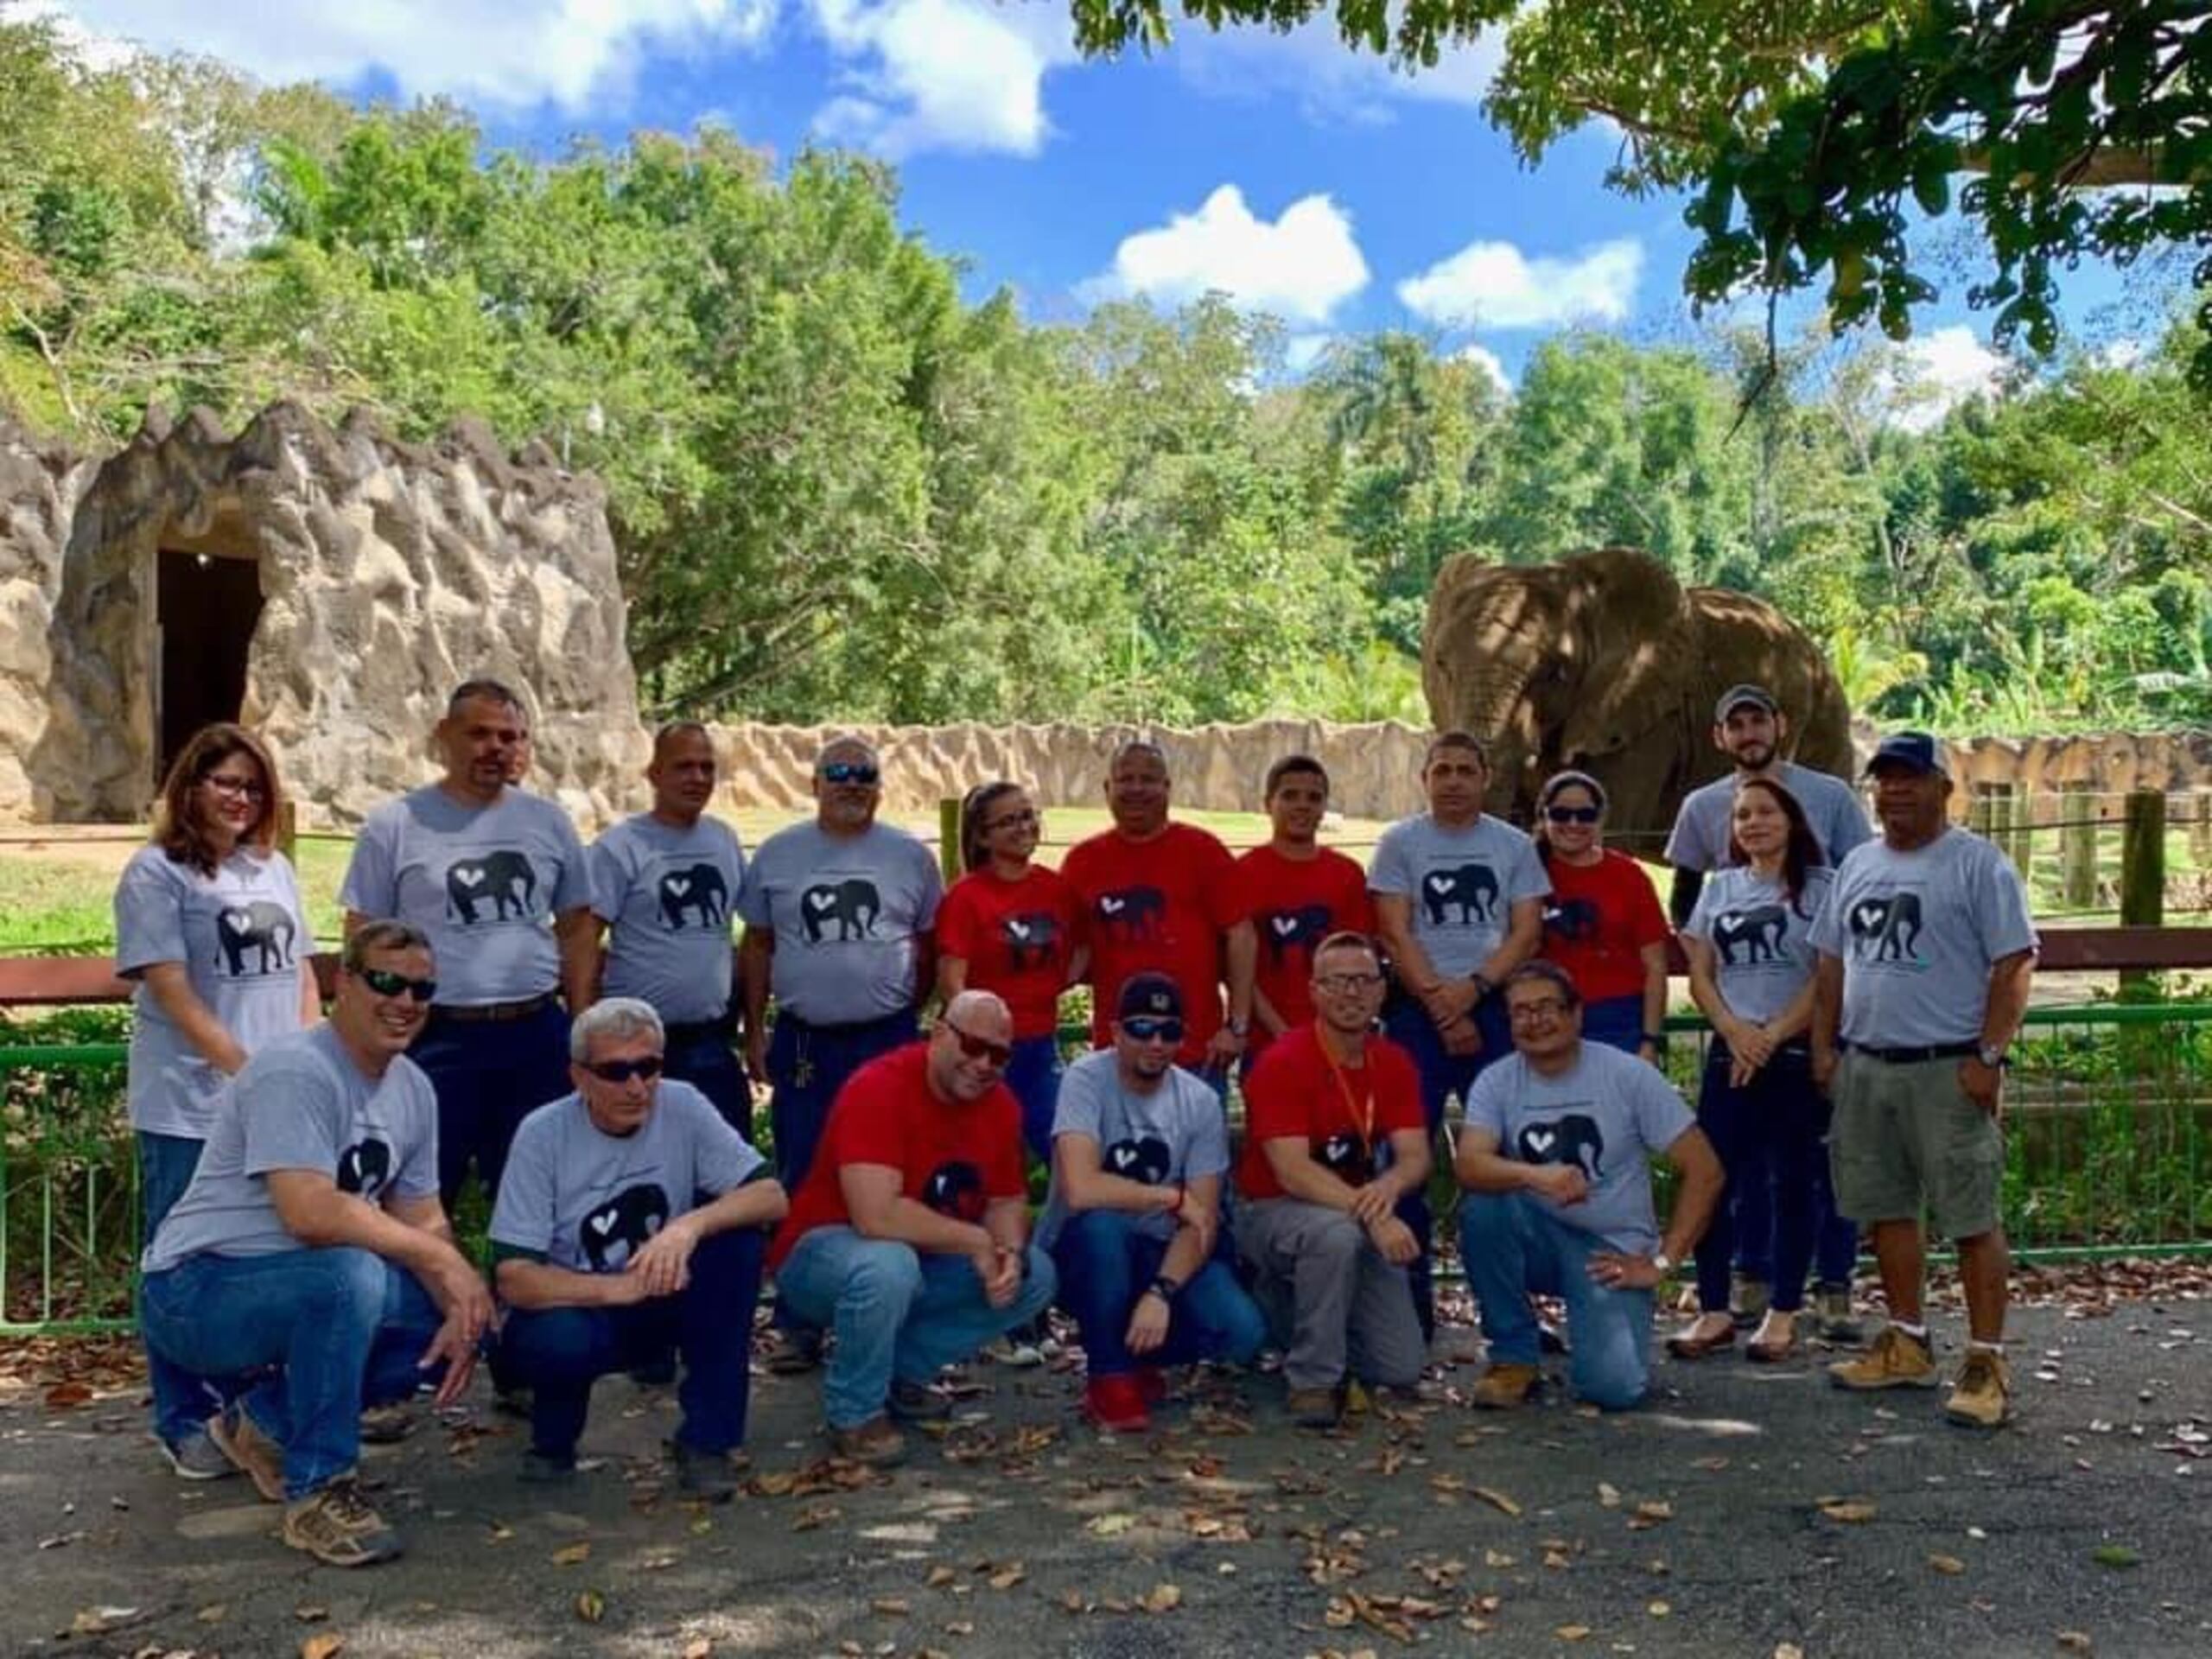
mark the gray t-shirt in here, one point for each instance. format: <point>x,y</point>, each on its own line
<point>1463,883</point>
<point>847,913</point>
<point>484,883</point>
<point>241,937</point>
<point>669,892</point>
<point>1169,1137</point>
<point>587,1200</point>
<point>1699,841</point>
<point>1917,933</point>
<point>1761,955</point>
<point>302,1103</point>
<point>1609,1113</point>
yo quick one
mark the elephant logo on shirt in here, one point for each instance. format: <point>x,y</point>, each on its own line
<point>1756,932</point>
<point>1285,931</point>
<point>618,1229</point>
<point>505,880</point>
<point>264,929</point>
<point>364,1167</point>
<point>955,1189</point>
<point>1030,939</point>
<point>1572,1138</point>
<point>853,905</point>
<point>1347,1157</point>
<point>1132,915</point>
<point>1148,1160</point>
<point>1470,889</point>
<point>699,888</point>
<point>1886,929</point>
<point>1572,921</point>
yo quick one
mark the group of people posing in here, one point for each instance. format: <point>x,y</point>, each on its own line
<point>569,1024</point>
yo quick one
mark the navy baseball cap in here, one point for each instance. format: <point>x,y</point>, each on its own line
<point>1149,996</point>
<point>1736,695</point>
<point>1917,752</point>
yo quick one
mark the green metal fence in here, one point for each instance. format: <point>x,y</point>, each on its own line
<point>2109,1117</point>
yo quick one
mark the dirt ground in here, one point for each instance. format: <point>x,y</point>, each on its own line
<point>1746,1511</point>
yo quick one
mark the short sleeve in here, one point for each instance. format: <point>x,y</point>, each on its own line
<point>752,904</point>
<point>1647,922</point>
<point>1700,924</point>
<point>2001,908</point>
<point>523,1217</point>
<point>956,921</point>
<point>1685,848</point>
<point>1486,1102</point>
<point>1661,1113</point>
<point>932,888</point>
<point>1077,1111</point>
<point>1392,870</point>
<point>1847,824</point>
<point>1529,879</point>
<point>1825,934</point>
<point>292,1118</point>
<point>417,1176</point>
<point>371,884</point>
<point>572,890</point>
<point>1359,914</point>
<point>865,1119</point>
<point>1397,1091</point>
<point>1209,1149</point>
<point>721,1158</point>
<point>1006,1172</point>
<point>1271,1105</point>
<point>149,913</point>
<point>610,875</point>
<point>1216,868</point>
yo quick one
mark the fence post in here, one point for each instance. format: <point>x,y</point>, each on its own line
<point>948,838</point>
<point>2077,844</point>
<point>1981,816</point>
<point>2200,829</point>
<point>287,830</point>
<point>2142,875</point>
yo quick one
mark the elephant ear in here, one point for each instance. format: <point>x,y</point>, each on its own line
<point>1626,644</point>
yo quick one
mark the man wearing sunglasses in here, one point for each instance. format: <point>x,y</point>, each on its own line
<point>839,920</point>
<point>630,1221</point>
<point>310,1251</point>
<point>909,1237</point>
<point>1139,1152</point>
<point>1336,1144</point>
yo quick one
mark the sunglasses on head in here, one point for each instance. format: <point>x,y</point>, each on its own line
<point>1142,1030</point>
<point>384,982</point>
<point>850,772</point>
<point>622,1071</point>
<point>1571,814</point>
<point>980,1048</point>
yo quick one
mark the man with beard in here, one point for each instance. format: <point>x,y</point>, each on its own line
<point>1294,893</point>
<point>909,1237</point>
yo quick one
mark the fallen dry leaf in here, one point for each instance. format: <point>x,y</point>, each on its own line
<point>322,1646</point>
<point>308,1611</point>
<point>1654,1509</point>
<point>1658,1609</point>
<point>1497,1499</point>
<point>1850,1511</point>
<point>1950,1565</point>
<point>890,1607</point>
<point>572,1555</point>
<point>1163,1598</point>
<point>1110,1526</point>
<point>1008,1576</point>
<point>1609,1495</point>
<point>1788,1651</point>
<point>591,1606</point>
<point>940,1576</point>
<point>1571,1632</point>
<point>211,1614</point>
<point>699,1647</point>
<point>2075,1641</point>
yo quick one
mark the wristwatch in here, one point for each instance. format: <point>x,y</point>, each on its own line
<point>1483,987</point>
<point>1661,1263</point>
<point>1164,1287</point>
<point>1239,1027</point>
<point>1991,1055</point>
<point>1657,1039</point>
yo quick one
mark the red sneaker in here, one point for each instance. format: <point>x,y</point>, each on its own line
<point>1152,1384</point>
<point>1116,1403</point>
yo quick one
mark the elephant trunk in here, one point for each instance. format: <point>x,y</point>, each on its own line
<point>1497,710</point>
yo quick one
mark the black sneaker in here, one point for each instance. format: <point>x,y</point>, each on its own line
<point>918,1402</point>
<point>704,1475</point>
<point>547,1468</point>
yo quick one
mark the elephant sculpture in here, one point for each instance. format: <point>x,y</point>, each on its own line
<point>1604,662</point>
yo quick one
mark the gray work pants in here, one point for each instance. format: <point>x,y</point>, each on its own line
<point>1346,1308</point>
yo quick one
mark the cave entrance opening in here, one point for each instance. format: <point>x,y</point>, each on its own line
<point>206,606</point>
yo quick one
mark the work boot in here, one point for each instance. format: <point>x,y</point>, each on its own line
<point>1314,1407</point>
<point>875,1443</point>
<point>335,1524</point>
<point>1895,1361</point>
<point>1982,1395</point>
<point>1505,1386</point>
<point>707,1476</point>
<point>245,1444</point>
<point>918,1402</point>
<point>1832,1316</point>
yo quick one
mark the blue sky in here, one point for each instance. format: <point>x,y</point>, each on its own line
<point>1285,171</point>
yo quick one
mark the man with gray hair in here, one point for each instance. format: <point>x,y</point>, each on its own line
<point>630,1220</point>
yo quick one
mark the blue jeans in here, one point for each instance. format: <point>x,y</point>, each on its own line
<point>1836,1237</point>
<point>1617,1022</point>
<point>1768,1135</point>
<point>1106,1262</point>
<point>559,1352</point>
<point>182,1401</point>
<point>897,1311</point>
<point>807,1066</point>
<point>1442,1075</point>
<point>489,1074</point>
<point>321,1333</point>
<point>701,1056</point>
<point>1513,1246</point>
<point>1034,1074</point>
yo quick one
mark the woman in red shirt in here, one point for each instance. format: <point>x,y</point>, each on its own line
<point>1602,922</point>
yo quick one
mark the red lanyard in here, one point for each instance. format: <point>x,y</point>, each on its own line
<point>1362,1109</point>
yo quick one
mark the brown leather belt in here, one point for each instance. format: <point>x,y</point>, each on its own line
<point>487,1012</point>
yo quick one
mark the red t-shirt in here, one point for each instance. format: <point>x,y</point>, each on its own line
<point>1017,938</point>
<point>1293,1090</point>
<point>955,1157</point>
<point>1293,904</point>
<point>1598,921</point>
<point>1163,905</point>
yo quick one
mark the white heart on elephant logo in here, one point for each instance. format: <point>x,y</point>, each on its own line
<point>823,902</point>
<point>679,885</point>
<point>1125,1157</point>
<point>1112,905</point>
<point>1284,926</point>
<point>1540,1140</point>
<point>238,921</point>
<point>1017,928</point>
<point>1730,920</point>
<point>1440,883</point>
<point>468,875</point>
<point>602,1222</point>
<point>1867,916</point>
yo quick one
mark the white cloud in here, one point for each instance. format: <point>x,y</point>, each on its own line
<point>1488,362</point>
<point>1313,65</point>
<point>1300,268</point>
<point>511,53</point>
<point>1935,372</point>
<point>1301,352</point>
<point>1494,285</point>
<point>942,74</point>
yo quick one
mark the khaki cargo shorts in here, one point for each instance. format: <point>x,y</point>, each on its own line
<point>1906,1138</point>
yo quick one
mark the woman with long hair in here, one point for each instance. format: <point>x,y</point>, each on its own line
<point>208,922</point>
<point>1602,922</point>
<point>1751,973</point>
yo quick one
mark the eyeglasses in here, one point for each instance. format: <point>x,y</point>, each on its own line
<point>1141,1030</point>
<point>1544,1007</point>
<point>1572,814</point>
<point>980,1048</point>
<point>1025,819</point>
<point>384,982</point>
<point>646,1067</point>
<point>244,789</point>
<point>850,772</point>
<point>1345,984</point>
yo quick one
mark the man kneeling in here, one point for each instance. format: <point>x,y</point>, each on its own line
<point>909,1237</point>
<point>1335,1141</point>
<point>630,1221</point>
<point>1554,1157</point>
<point>311,1249</point>
<point>1139,1151</point>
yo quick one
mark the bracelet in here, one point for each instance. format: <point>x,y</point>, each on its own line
<point>1483,987</point>
<point>1657,1039</point>
<point>1166,1288</point>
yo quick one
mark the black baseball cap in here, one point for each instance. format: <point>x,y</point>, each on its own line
<point>1149,996</point>
<point>1917,752</point>
<point>1736,695</point>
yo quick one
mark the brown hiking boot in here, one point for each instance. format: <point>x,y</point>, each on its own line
<point>1894,1361</point>
<point>875,1443</point>
<point>1314,1407</point>
<point>335,1525</point>
<point>1982,1395</point>
<point>245,1444</point>
<point>1505,1386</point>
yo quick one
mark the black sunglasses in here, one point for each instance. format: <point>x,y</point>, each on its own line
<point>1141,1030</point>
<point>980,1048</point>
<point>1572,814</point>
<point>850,772</point>
<point>384,982</point>
<point>623,1071</point>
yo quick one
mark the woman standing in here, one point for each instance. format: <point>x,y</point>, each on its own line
<point>1751,973</point>
<point>1602,923</point>
<point>208,922</point>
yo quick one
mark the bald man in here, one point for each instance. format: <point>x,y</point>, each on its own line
<point>910,1236</point>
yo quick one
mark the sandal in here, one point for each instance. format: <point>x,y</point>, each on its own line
<point>1695,1343</point>
<point>1765,1347</point>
